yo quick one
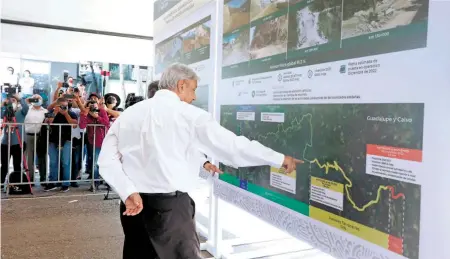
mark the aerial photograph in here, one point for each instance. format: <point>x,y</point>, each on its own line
<point>316,24</point>
<point>262,8</point>
<point>188,40</point>
<point>363,17</point>
<point>269,38</point>
<point>236,48</point>
<point>202,34</point>
<point>175,46</point>
<point>236,13</point>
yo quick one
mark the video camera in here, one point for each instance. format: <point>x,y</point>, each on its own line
<point>9,112</point>
<point>11,90</point>
<point>132,99</point>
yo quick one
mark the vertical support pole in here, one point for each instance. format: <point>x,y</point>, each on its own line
<point>93,159</point>
<point>70,157</point>
<point>33,170</point>
<point>82,153</point>
<point>22,165</point>
<point>59,154</point>
<point>47,160</point>
<point>215,225</point>
<point>8,129</point>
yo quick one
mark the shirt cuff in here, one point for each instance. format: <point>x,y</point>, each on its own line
<point>276,159</point>
<point>126,192</point>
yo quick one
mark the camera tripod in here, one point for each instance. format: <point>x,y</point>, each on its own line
<point>7,119</point>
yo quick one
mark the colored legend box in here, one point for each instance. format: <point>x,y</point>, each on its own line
<point>243,184</point>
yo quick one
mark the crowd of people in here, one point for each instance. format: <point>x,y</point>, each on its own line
<point>62,135</point>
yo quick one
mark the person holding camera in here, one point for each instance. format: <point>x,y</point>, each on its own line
<point>92,98</point>
<point>13,110</point>
<point>59,148</point>
<point>76,106</point>
<point>111,107</point>
<point>97,116</point>
<point>33,122</point>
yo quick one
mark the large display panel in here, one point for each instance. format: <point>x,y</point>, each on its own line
<point>261,36</point>
<point>360,170</point>
<point>356,90</point>
<point>193,45</point>
<point>167,13</point>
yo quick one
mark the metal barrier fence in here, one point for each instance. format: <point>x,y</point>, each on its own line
<point>12,128</point>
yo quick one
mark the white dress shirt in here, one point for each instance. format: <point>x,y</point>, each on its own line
<point>34,116</point>
<point>155,146</point>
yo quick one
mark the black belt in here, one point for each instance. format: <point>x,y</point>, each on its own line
<point>167,194</point>
<point>32,134</point>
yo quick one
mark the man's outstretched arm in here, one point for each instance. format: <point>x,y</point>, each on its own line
<point>237,151</point>
<point>110,165</point>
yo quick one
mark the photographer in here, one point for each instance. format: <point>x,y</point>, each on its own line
<point>97,116</point>
<point>12,110</point>
<point>76,106</point>
<point>92,98</point>
<point>33,122</point>
<point>58,92</point>
<point>59,148</point>
<point>111,106</point>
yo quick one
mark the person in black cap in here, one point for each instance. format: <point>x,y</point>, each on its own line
<point>93,97</point>
<point>111,106</point>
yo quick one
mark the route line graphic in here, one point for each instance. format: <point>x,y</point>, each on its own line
<point>335,165</point>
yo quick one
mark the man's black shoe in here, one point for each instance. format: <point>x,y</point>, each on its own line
<point>74,185</point>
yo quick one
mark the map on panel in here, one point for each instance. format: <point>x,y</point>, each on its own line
<point>362,163</point>
<point>268,35</point>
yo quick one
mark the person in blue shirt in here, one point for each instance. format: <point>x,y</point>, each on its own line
<point>20,109</point>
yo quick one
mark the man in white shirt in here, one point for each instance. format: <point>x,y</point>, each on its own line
<point>151,157</point>
<point>33,122</point>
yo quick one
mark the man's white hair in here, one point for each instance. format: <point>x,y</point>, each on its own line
<point>174,73</point>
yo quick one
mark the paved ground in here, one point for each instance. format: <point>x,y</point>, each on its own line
<point>79,224</point>
<point>75,225</point>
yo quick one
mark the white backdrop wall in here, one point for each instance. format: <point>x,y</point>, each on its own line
<point>57,45</point>
<point>131,16</point>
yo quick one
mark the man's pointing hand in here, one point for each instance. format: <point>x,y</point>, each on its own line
<point>290,163</point>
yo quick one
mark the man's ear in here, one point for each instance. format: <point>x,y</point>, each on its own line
<point>180,85</point>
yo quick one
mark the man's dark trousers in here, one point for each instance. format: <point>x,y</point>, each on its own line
<point>165,229</point>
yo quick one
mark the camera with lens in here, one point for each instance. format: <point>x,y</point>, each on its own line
<point>93,109</point>
<point>9,111</point>
<point>66,77</point>
<point>64,108</point>
<point>132,99</point>
<point>49,115</point>
<point>11,90</point>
